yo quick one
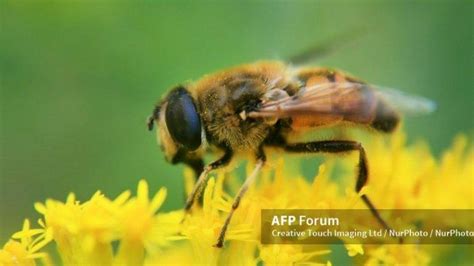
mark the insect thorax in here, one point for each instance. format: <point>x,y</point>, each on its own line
<point>223,98</point>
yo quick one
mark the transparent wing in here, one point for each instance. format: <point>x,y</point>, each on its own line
<point>340,98</point>
<point>406,103</point>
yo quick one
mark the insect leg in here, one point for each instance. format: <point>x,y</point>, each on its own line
<point>248,181</point>
<point>339,146</point>
<point>202,180</point>
<point>197,165</point>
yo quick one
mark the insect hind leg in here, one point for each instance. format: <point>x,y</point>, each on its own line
<point>340,146</point>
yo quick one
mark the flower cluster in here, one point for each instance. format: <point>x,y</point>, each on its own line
<point>129,230</point>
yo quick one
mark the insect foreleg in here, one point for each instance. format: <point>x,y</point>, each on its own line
<point>339,146</point>
<point>203,177</point>
<point>248,181</point>
<point>197,165</point>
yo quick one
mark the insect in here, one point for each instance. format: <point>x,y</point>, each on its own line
<point>252,107</point>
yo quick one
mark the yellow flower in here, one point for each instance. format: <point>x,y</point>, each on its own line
<point>129,230</point>
<point>291,255</point>
<point>398,255</point>
<point>140,229</point>
<point>202,229</point>
<point>84,233</point>
<point>354,249</point>
<point>26,252</point>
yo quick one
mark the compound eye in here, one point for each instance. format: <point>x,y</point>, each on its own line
<point>182,119</point>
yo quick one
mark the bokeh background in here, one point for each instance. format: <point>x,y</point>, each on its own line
<point>78,79</point>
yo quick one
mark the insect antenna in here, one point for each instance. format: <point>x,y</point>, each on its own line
<point>150,121</point>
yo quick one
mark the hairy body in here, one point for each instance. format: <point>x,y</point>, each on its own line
<point>223,97</point>
<point>265,104</point>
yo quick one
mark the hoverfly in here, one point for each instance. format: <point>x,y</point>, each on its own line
<point>251,107</point>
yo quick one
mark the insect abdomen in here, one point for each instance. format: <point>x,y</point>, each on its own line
<point>385,119</point>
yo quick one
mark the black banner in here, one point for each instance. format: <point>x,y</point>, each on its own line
<point>299,226</point>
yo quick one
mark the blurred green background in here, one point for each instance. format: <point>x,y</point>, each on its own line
<point>78,79</point>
